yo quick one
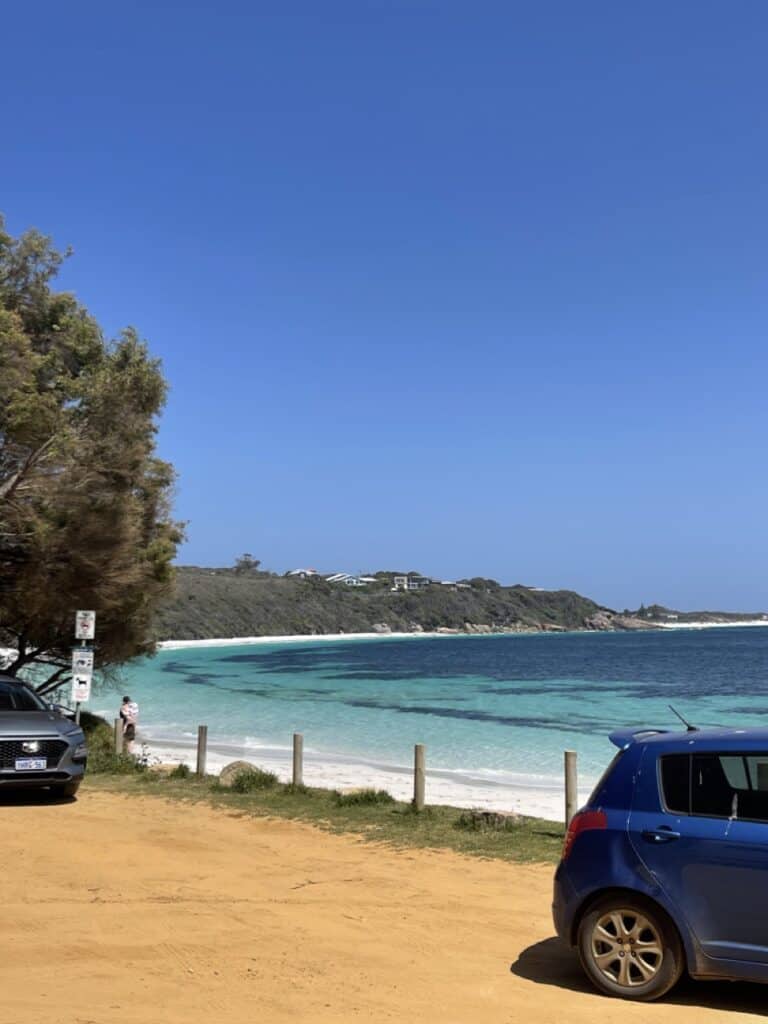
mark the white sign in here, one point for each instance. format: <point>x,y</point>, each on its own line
<point>81,689</point>
<point>85,625</point>
<point>82,661</point>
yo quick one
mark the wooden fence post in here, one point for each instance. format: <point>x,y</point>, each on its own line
<point>298,759</point>
<point>571,786</point>
<point>202,749</point>
<point>419,778</point>
<point>118,735</point>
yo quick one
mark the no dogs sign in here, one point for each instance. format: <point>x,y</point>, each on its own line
<point>85,625</point>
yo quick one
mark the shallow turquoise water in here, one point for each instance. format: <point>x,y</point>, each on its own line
<point>496,707</point>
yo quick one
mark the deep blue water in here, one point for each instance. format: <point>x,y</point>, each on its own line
<point>505,706</point>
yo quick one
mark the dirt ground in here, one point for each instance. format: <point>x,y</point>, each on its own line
<point>133,909</point>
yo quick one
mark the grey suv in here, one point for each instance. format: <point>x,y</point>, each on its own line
<point>39,745</point>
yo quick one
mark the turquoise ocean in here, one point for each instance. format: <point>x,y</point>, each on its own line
<point>495,712</point>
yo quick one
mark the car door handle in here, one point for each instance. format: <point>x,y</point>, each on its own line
<point>660,835</point>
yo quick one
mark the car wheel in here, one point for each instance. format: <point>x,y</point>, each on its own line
<point>630,949</point>
<point>65,790</point>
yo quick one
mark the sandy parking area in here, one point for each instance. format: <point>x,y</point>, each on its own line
<point>133,909</point>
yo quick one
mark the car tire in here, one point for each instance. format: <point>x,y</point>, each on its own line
<point>66,790</point>
<point>629,948</point>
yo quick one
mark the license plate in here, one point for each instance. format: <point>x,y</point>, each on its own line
<point>31,764</point>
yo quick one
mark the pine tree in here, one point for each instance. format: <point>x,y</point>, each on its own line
<point>85,503</point>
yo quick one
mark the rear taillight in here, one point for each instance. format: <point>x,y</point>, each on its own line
<point>583,821</point>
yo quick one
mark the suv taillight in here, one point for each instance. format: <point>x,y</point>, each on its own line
<point>583,821</point>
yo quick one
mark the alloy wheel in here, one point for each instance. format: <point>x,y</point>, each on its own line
<point>626,947</point>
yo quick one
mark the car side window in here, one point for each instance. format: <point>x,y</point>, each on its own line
<point>711,792</point>
<point>675,782</point>
<point>757,767</point>
<point>716,785</point>
<point>730,786</point>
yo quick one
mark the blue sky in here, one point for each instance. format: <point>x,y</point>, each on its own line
<point>469,288</point>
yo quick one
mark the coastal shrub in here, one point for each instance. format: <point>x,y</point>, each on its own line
<point>410,808</point>
<point>181,771</point>
<point>226,603</point>
<point>253,779</point>
<point>115,764</point>
<point>102,757</point>
<point>290,790</point>
<point>91,723</point>
<point>362,796</point>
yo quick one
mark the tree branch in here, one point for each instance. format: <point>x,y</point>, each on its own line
<point>11,485</point>
<point>54,681</point>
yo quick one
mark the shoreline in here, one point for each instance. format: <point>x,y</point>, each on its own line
<point>712,625</point>
<point>178,645</point>
<point>531,796</point>
<point>294,638</point>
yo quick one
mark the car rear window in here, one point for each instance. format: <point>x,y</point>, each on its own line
<point>595,794</point>
<point>717,785</point>
<point>15,697</point>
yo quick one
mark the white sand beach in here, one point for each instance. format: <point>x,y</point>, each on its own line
<point>712,625</point>
<point>541,797</point>
<point>174,645</point>
<point>298,638</point>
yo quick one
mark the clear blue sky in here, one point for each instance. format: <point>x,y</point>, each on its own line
<point>473,288</point>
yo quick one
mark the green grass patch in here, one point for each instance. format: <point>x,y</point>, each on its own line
<point>376,819</point>
<point>361,797</point>
<point>469,822</point>
<point>253,780</point>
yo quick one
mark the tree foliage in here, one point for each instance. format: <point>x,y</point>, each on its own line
<point>85,516</point>
<point>247,563</point>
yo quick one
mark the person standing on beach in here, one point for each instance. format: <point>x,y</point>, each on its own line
<point>129,714</point>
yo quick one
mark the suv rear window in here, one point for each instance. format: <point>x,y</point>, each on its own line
<point>16,697</point>
<point>716,785</point>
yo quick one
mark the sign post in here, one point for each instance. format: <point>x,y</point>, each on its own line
<point>82,659</point>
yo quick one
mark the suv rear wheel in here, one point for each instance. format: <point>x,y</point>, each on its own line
<point>629,949</point>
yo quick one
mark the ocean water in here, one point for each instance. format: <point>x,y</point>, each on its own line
<point>495,713</point>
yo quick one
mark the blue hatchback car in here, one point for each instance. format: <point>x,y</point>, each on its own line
<point>666,867</point>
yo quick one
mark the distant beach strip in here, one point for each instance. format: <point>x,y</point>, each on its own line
<point>299,638</point>
<point>178,645</point>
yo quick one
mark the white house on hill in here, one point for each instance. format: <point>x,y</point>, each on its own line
<point>351,580</point>
<point>413,581</point>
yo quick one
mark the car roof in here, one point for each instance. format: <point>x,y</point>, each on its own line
<point>698,739</point>
<point>7,680</point>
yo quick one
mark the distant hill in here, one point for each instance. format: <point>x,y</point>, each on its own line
<point>211,603</point>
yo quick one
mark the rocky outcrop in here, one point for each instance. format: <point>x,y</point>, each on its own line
<point>632,622</point>
<point>231,771</point>
<point>600,621</point>
<point>604,620</point>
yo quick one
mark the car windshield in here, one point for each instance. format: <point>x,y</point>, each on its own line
<point>16,697</point>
